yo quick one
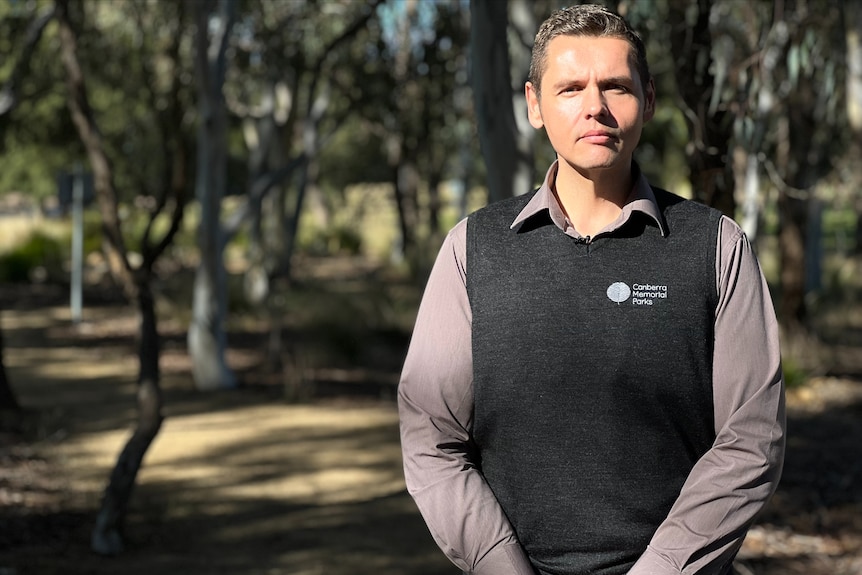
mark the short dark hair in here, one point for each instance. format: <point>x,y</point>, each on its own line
<point>585,20</point>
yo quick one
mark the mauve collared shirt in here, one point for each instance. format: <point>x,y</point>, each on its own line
<point>726,488</point>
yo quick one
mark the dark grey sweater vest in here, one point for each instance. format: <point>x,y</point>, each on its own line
<point>592,376</point>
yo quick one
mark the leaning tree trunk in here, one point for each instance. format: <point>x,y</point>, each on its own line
<point>8,401</point>
<point>107,537</point>
<point>207,339</point>
<point>107,534</point>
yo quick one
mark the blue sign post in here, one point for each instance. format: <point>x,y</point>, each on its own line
<point>76,190</point>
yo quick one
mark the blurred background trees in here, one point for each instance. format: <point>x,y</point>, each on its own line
<point>236,138</point>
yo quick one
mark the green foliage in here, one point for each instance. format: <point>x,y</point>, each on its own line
<point>839,227</point>
<point>40,253</point>
<point>354,156</point>
<point>31,169</point>
<point>387,101</point>
<point>37,138</point>
<point>92,232</point>
<point>339,239</point>
<point>794,374</point>
<point>661,151</point>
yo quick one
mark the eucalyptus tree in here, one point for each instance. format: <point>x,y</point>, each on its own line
<point>782,76</point>
<point>806,143</point>
<point>498,94</point>
<point>401,149</point>
<point>146,77</point>
<point>853,40</point>
<point>284,103</point>
<point>413,106</point>
<point>447,122</point>
<point>289,89</point>
<point>9,97</point>
<point>709,120</point>
<point>422,78</point>
<point>760,86</point>
<point>37,138</point>
<point>207,341</point>
<point>10,91</point>
<point>394,105</point>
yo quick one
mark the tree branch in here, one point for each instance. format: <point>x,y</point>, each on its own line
<point>88,131</point>
<point>9,92</point>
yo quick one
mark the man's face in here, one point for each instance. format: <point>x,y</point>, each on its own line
<point>593,106</point>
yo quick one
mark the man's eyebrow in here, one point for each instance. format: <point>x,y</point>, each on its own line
<point>624,80</point>
<point>567,81</point>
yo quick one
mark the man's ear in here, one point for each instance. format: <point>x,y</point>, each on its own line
<point>534,112</point>
<point>649,101</point>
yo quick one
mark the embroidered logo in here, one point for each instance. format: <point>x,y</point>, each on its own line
<point>619,292</point>
<point>640,294</point>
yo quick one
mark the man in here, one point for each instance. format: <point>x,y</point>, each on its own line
<point>594,384</point>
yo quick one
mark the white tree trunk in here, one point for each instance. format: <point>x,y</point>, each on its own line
<point>207,341</point>
<point>853,19</point>
<point>751,204</point>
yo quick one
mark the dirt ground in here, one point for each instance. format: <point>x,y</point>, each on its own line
<point>244,482</point>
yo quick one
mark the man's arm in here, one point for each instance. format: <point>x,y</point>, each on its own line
<point>435,402</point>
<point>732,482</point>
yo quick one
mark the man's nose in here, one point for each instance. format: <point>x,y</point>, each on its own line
<point>594,104</point>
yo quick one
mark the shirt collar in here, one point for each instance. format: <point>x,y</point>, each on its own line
<point>641,199</point>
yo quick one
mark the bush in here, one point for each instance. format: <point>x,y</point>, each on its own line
<point>336,240</point>
<point>794,374</point>
<point>40,253</point>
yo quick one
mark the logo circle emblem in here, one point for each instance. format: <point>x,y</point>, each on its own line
<point>619,292</point>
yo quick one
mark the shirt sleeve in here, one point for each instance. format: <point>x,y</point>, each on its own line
<point>732,482</point>
<point>435,402</point>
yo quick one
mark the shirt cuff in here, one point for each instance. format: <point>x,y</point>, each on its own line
<point>651,563</point>
<point>509,559</point>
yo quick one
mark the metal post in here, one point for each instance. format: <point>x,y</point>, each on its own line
<point>77,243</point>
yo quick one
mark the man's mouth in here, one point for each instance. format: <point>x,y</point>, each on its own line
<point>598,137</point>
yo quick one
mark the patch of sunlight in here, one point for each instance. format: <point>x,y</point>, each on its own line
<point>308,417</point>
<point>17,228</point>
<point>47,317</point>
<point>72,363</point>
<point>296,453</point>
<point>89,457</point>
<point>321,487</point>
<point>196,476</point>
<point>216,462</point>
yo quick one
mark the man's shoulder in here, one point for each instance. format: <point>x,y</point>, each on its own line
<point>506,205</point>
<point>669,202</point>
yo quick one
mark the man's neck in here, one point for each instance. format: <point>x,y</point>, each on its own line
<point>592,201</point>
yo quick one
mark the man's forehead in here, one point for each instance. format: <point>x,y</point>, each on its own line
<point>573,51</point>
<point>585,43</point>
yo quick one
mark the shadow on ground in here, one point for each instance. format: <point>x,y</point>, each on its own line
<point>244,482</point>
